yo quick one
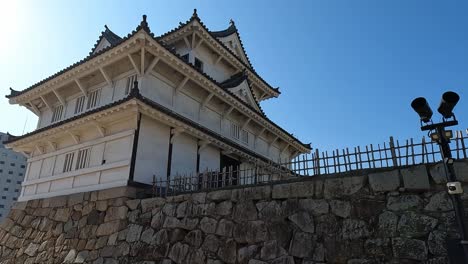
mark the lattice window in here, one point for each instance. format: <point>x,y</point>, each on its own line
<point>235,131</point>
<point>245,136</point>
<point>79,106</point>
<point>57,113</point>
<point>82,160</point>
<point>68,164</point>
<point>93,99</point>
<point>130,81</point>
<point>198,64</point>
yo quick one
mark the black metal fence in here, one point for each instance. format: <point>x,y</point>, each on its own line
<point>389,154</point>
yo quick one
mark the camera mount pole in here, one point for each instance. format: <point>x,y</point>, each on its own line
<point>446,153</point>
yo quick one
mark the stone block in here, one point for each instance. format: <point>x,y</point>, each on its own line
<point>251,193</point>
<point>109,228</point>
<point>413,249</point>
<point>314,206</point>
<point>132,204</point>
<point>75,198</point>
<point>416,178</point>
<point>437,173</point>
<point>415,225</point>
<point>219,195</point>
<point>59,201</point>
<point>340,208</point>
<point>404,202</point>
<point>281,191</point>
<point>388,223</point>
<point>343,186</point>
<point>302,245</point>
<point>124,191</point>
<point>151,203</point>
<point>461,170</point>
<point>384,181</point>
<point>439,202</point>
<point>116,213</point>
<point>227,252</point>
<point>302,189</point>
<point>304,221</point>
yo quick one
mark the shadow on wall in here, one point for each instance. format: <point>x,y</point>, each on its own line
<point>402,215</point>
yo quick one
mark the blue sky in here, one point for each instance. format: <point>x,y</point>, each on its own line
<point>347,70</point>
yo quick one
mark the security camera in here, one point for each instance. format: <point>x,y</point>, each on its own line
<point>454,188</point>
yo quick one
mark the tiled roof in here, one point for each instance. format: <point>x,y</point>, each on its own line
<point>110,36</point>
<point>144,26</point>
<point>233,28</point>
<point>135,94</point>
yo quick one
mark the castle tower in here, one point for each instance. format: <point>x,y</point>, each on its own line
<point>183,102</point>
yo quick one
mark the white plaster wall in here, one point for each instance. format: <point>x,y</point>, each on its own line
<point>210,159</point>
<point>184,155</point>
<point>187,106</point>
<point>45,176</point>
<point>210,119</point>
<point>219,72</point>
<point>152,152</point>
<point>262,146</point>
<point>158,90</point>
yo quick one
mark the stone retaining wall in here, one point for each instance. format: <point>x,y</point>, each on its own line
<point>401,216</point>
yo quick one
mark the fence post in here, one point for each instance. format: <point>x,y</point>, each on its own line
<point>317,161</point>
<point>392,150</point>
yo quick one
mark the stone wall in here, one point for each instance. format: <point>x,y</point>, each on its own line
<point>401,216</point>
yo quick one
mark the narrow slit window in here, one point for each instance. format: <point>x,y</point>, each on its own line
<point>245,136</point>
<point>93,99</point>
<point>68,164</point>
<point>130,81</point>
<point>185,58</point>
<point>79,106</point>
<point>57,113</point>
<point>235,131</point>
<point>82,160</point>
<point>198,64</point>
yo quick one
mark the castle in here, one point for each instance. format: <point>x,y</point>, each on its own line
<point>145,106</point>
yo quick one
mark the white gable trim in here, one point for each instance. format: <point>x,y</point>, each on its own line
<point>103,43</point>
<point>244,86</point>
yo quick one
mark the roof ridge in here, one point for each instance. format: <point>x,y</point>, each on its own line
<point>108,35</point>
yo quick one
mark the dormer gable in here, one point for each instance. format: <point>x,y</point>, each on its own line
<point>106,39</point>
<point>231,39</point>
<point>239,85</point>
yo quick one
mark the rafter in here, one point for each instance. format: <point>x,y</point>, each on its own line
<point>199,43</point>
<point>284,149</point>
<point>59,97</point>
<point>175,132</point>
<point>246,123</point>
<point>45,102</point>
<point>133,63</point>
<point>142,61</point>
<point>39,149</point>
<point>182,83</point>
<point>207,99</point>
<point>52,145</point>
<point>75,137</point>
<point>228,111</point>
<point>82,89</point>
<point>152,64</point>
<point>187,43</point>
<point>202,144</point>
<point>193,40</point>
<point>106,77</point>
<point>100,128</point>
<point>218,59</point>
<point>34,108</point>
